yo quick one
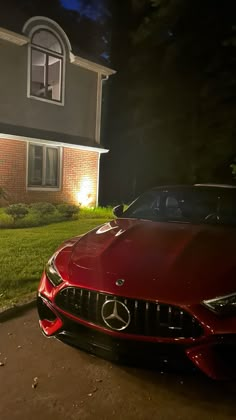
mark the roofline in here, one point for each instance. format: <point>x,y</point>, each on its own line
<point>91,65</point>
<point>5,136</point>
<point>19,39</point>
<point>13,37</point>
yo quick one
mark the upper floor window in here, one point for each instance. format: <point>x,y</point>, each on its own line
<point>46,66</point>
<point>49,51</point>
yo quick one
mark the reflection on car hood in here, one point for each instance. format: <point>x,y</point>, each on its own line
<point>172,262</point>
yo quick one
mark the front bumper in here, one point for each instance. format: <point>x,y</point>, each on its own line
<point>214,355</point>
<point>131,352</point>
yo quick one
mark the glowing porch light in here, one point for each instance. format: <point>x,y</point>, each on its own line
<point>84,196</point>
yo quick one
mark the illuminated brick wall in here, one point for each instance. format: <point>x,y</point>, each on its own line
<point>79,175</point>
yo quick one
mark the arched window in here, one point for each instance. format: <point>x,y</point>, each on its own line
<point>47,59</point>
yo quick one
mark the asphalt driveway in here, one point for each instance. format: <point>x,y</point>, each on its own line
<point>44,379</point>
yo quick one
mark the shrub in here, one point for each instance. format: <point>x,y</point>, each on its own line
<point>5,219</point>
<point>68,210</point>
<point>3,194</point>
<point>17,211</point>
<point>43,208</point>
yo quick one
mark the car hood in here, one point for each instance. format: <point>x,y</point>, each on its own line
<point>170,262</point>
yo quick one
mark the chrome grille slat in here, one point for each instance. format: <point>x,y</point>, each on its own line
<point>136,313</point>
<point>169,317</point>
<point>193,324</point>
<point>96,307</point>
<point>89,306</point>
<point>158,316</point>
<point>147,318</point>
<point>181,315</point>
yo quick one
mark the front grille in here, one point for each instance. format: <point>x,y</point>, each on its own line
<point>146,318</point>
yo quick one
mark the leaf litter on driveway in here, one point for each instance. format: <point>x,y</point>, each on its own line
<point>35,382</point>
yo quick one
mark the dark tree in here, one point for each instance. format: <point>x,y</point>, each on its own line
<point>173,103</point>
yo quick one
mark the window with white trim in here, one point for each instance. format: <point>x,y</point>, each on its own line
<point>46,66</point>
<point>43,166</point>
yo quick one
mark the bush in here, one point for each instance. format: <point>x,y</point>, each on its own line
<point>3,194</point>
<point>68,210</point>
<point>17,211</point>
<point>5,219</point>
<point>43,208</point>
<point>37,214</point>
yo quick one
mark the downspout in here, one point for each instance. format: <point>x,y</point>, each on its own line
<point>101,79</point>
<point>98,178</point>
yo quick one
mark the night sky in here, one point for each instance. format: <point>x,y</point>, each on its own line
<point>94,11</point>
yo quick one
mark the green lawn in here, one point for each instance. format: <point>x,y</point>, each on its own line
<point>24,252</point>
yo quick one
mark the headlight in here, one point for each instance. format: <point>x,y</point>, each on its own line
<point>52,273</point>
<point>222,305</point>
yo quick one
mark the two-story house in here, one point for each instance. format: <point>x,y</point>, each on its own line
<point>50,116</point>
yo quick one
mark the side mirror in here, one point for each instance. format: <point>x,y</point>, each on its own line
<point>118,210</point>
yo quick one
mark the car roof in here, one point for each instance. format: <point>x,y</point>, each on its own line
<point>195,186</point>
<point>215,185</point>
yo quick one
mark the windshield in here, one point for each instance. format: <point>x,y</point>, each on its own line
<point>196,205</point>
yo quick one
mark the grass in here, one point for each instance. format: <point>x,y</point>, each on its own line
<point>24,252</point>
<point>96,213</point>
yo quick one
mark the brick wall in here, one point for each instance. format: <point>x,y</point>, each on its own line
<point>13,168</point>
<point>79,175</point>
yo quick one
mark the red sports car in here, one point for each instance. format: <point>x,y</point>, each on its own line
<point>156,284</point>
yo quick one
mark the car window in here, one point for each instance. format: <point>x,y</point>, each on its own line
<point>193,205</point>
<point>147,206</point>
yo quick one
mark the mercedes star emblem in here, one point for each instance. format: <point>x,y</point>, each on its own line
<point>116,315</point>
